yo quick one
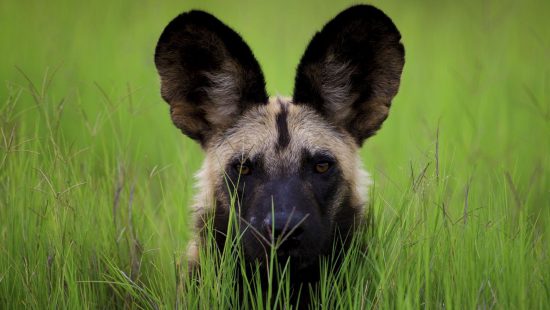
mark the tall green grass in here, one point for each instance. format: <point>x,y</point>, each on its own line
<point>95,181</point>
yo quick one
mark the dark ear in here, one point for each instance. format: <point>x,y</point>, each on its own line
<point>208,74</point>
<point>351,70</point>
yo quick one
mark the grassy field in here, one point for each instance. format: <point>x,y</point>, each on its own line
<point>95,180</point>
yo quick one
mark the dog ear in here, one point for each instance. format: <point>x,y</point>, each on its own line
<point>208,74</point>
<point>351,70</point>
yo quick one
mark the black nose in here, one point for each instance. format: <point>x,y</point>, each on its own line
<point>284,227</point>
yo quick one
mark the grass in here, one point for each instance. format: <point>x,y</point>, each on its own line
<point>94,179</point>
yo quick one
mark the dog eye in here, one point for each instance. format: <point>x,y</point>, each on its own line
<point>322,167</point>
<point>243,168</point>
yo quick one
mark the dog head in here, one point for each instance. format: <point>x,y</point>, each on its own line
<point>288,166</point>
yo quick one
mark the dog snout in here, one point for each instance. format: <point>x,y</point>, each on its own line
<point>284,226</point>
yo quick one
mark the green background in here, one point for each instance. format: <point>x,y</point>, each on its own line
<point>95,180</point>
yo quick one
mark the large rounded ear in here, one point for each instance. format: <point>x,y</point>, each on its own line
<point>351,70</point>
<point>208,74</point>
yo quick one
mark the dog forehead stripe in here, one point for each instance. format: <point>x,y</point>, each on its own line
<point>282,127</point>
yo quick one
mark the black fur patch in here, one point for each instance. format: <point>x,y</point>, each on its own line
<point>282,129</point>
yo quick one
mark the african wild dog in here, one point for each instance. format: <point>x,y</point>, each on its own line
<point>294,160</point>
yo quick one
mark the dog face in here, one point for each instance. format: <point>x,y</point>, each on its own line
<point>288,166</point>
<point>296,178</point>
